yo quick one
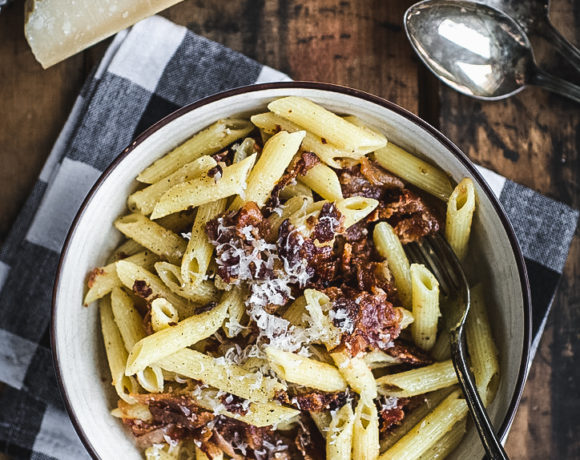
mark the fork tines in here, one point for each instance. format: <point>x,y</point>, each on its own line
<point>435,253</point>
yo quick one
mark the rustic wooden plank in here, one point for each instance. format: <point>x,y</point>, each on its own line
<point>34,105</point>
<point>354,43</point>
<point>532,138</point>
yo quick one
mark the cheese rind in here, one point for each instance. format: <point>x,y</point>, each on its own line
<point>57,29</point>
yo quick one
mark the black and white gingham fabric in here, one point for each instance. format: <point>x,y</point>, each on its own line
<point>147,73</point>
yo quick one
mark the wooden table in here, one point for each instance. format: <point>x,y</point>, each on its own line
<point>532,138</point>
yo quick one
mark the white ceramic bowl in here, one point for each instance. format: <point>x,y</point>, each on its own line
<point>77,342</point>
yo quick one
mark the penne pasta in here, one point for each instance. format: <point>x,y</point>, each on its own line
<point>317,303</point>
<point>216,372</point>
<point>204,189</point>
<point>162,452</point>
<point>322,421</point>
<point>324,181</point>
<point>126,249</point>
<point>116,354</point>
<point>425,293</point>
<point>257,414</point>
<point>355,208</point>
<point>293,205</point>
<point>135,411</point>
<point>152,236</point>
<point>357,374</point>
<point>168,341</point>
<point>327,125</point>
<point>365,438</point>
<point>130,326</point>
<point>481,346</point>
<point>378,359</point>
<point>272,123</point>
<point>301,218</point>
<point>144,200</point>
<point>427,432</point>
<point>245,149</point>
<point>163,314</point>
<point>414,170</point>
<point>447,443</point>
<point>389,247</point>
<point>441,351</point>
<point>407,317</point>
<point>201,292</point>
<point>197,256</point>
<point>127,318</point>
<point>178,222</point>
<point>297,313</point>
<point>103,279</point>
<point>295,189</point>
<point>418,381</point>
<point>339,435</point>
<point>148,286</point>
<point>276,156</point>
<point>305,371</point>
<point>431,400</point>
<point>236,309</point>
<point>460,209</point>
<point>207,142</point>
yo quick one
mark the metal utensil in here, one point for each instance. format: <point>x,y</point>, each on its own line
<point>533,17</point>
<point>437,255</point>
<point>3,3</point>
<point>477,50</point>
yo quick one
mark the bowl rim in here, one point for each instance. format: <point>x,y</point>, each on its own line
<point>333,88</point>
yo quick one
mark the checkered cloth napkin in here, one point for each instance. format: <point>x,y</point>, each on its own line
<point>148,72</point>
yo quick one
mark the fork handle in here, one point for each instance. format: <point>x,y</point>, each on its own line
<point>489,439</point>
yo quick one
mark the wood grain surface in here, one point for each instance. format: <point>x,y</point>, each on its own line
<point>532,138</point>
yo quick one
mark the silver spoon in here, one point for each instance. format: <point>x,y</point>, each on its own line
<point>477,50</point>
<point>533,17</point>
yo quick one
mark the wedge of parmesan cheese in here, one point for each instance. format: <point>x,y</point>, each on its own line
<point>57,29</point>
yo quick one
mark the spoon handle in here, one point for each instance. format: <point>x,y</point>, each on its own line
<point>564,47</point>
<point>556,85</point>
<point>489,439</point>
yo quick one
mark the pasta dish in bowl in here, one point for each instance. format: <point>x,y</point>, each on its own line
<point>261,304</point>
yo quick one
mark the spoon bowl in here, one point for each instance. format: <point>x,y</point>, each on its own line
<point>477,50</point>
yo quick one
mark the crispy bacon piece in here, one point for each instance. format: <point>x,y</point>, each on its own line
<point>298,167</point>
<point>241,440</point>
<point>177,415</point>
<point>408,354</point>
<point>234,404</point>
<point>313,401</point>
<point>391,412</point>
<point>328,224</point>
<point>353,183</point>
<point>409,216</point>
<point>142,289</point>
<point>295,250</point>
<point>368,321</point>
<point>234,232</point>
<point>359,268</point>
<point>368,179</point>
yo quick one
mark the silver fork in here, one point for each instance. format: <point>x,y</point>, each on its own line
<point>435,253</point>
